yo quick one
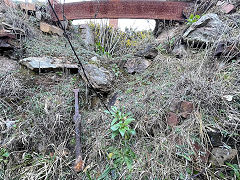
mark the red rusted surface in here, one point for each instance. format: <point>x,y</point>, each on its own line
<point>134,9</point>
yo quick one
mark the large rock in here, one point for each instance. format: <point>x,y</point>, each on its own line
<point>47,64</point>
<point>149,52</point>
<point>179,51</point>
<point>100,78</point>
<point>205,31</point>
<point>51,29</point>
<point>137,65</point>
<point>221,155</point>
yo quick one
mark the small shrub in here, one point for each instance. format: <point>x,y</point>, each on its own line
<point>121,123</point>
<point>100,50</point>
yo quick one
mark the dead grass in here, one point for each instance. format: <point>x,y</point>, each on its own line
<point>41,137</point>
<point>149,96</point>
<point>36,120</point>
<point>41,145</point>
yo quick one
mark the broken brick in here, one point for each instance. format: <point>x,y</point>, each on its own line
<point>202,153</point>
<point>172,119</point>
<point>186,108</point>
<point>228,8</point>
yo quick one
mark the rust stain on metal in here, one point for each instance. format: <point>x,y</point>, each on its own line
<point>134,9</point>
<point>79,164</point>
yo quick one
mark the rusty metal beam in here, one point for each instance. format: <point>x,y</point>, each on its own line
<point>133,9</point>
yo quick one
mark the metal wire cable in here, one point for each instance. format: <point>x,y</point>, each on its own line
<point>79,62</point>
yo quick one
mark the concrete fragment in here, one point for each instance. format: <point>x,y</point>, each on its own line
<point>46,64</point>
<point>47,28</point>
<point>39,15</point>
<point>220,3</point>
<point>228,97</point>
<point>56,30</point>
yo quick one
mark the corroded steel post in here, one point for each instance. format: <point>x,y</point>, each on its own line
<point>78,150</point>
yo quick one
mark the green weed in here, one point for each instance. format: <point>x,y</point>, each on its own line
<point>121,123</point>
<point>192,19</point>
<point>4,155</point>
<point>184,152</point>
<point>235,170</point>
<point>121,157</point>
<point>100,50</point>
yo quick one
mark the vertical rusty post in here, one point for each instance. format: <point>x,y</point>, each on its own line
<point>78,166</point>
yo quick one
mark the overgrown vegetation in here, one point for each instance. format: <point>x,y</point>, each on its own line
<point>37,138</point>
<point>114,42</point>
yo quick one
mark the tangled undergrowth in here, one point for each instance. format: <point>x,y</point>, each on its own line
<point>37,131</point>
<point>159,151</point>
<point>37,135</point>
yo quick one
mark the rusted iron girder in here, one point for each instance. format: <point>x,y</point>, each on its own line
<point>78,166</point>
<point>133,9</point>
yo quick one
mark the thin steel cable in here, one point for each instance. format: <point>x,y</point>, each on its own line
<point>79,62</point>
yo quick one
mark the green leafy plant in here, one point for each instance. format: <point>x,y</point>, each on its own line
<point>116,70</point>
<point>4,154</point>
<point>121,123</point>
<point>192,19</point>
<point>100,50</point>
<point>184,152</point>
<point>235,168</point>
<point>161,49</point>
<point>121,157</point>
